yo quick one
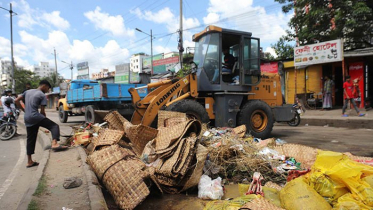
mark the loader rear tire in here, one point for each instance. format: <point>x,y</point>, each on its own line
<point>192,108</point>
<point>258,118</point>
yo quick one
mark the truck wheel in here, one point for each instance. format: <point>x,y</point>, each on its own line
<point>258,118</point>
<point>62,115</point>
<point>192,108</point>
<point>90,114</point>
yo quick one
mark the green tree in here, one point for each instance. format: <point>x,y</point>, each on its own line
<point>283,49</point>
<point>322,20</point>
<point>22,77</point>
<point>52,79</point>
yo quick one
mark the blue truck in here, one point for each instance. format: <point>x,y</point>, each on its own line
<point>84,97</point>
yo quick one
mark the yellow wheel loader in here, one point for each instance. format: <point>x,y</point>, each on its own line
<point>209,94</point>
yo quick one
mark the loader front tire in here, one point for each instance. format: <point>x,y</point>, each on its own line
<point>192,108</point>
<point>258,118</point>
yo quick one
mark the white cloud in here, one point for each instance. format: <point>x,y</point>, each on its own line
<point>19,51</point>
<point>165,16</point>
<point>56,20</point>
<point>211,18</point>
<point>242,15</point>
<point>76,51</point>
<point>271,50</point>
<point>106,22</point>
<point>28,17</point>
<point>4,47</point>
<point>160,49</point>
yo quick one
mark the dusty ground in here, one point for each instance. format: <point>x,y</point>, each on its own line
<point>62,165</point>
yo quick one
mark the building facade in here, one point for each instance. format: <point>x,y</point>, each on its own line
<point>6,73</point>
<point>136,62</point>
<point>102,74</point>
<point>42,69</point>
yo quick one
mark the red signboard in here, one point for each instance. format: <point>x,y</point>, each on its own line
<point>356,71</point>
<point>166,61</point>
<point>271,67</point>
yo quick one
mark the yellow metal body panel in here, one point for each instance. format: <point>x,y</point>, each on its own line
<point>208,29</point>
<point>63,102</point>
<point>308,81</point>
<point>268,90</point>
<point>166,92</point>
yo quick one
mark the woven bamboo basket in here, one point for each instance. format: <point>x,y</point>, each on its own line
<point>197,171</point>
<point>139,135</point>
<point>164,115</point>
<point>303,154</point>
<point>260,204</point>
<point>125,183</point>
<point>167,136</point>
<point>115,120</point>
<point>107,137</point>
<point>103,159</point>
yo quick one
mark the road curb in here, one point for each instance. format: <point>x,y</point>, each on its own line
<point>96,198</point>
<point>27,197</point>
<point>338,123</point>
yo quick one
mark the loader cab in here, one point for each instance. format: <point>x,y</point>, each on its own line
<point>209,57</point>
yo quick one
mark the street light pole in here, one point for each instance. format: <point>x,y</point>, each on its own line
<point>151,46</point>
<point>55,63</point>
<point>71,68</point>
<point>11,43</point>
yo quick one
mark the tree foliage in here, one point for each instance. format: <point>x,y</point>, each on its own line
<point>22,77</point>
<point>283,49</point>
<point>52,79</point>
<point>322,20</point>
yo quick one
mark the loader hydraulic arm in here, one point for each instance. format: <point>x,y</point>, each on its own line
<point>165,93</point>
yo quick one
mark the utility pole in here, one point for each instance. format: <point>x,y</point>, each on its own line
<point>55,63</point>
<point>11,43</point>
<point>151,50</point>
<point>180,46</point>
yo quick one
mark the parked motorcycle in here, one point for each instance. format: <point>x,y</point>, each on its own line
<point>8,126</point>
<point>297,108</point>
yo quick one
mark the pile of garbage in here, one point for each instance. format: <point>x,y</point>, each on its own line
<point>181,154</point>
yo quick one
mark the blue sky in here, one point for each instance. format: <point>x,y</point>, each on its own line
<point>103,32</point>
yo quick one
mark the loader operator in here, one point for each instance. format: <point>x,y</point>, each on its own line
<point>227,65</point>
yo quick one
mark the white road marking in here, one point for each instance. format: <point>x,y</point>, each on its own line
<point>15,170</point>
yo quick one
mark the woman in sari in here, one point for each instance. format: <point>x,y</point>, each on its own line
<point>327,99</point>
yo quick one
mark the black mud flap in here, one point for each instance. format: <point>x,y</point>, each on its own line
<point>283,113</point>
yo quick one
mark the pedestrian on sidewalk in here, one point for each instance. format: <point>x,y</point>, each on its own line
<point>327,93</point>
<point>349,97</point>
<point>35,98</point>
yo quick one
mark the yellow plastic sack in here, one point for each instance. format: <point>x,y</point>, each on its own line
<point>297,194</point>
<point>234,204</point>
<point>348,202</point>
<point>326,187</point>
<point>345,171</point>
<point>369,180</point>
<point>270,194</point>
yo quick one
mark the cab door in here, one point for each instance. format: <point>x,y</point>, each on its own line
<point>250,68</point>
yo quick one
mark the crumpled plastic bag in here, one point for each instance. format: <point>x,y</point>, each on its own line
<point>348,202</point>
<point>297,194</point>
<point>344,171</point>
<point>326,187</point>
<point>369,180</point>
<point>210,189</point>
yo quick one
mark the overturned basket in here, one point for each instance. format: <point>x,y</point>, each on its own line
<point>303,154</point>
<point>115,120</point>
<point>122,174</point>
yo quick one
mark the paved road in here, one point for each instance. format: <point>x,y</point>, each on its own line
<point>356,141</point>
<point>14,176</point>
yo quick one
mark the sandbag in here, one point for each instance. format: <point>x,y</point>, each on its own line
<point>297,194</point>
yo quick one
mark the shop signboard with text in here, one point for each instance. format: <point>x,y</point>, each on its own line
<point>83,70</point>
<point>356,71</point>
<point>163,65</point>
<point>271,67</point>
<point>323,52</point>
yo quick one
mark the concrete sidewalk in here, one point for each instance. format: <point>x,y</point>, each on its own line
<point>333,118</point>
